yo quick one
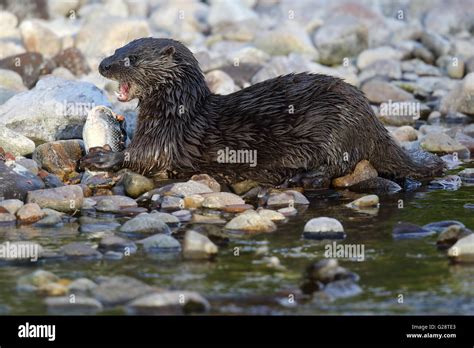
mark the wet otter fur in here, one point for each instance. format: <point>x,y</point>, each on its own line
<point>306,128</point>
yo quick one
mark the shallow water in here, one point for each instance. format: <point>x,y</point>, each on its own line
<point>244,284</point>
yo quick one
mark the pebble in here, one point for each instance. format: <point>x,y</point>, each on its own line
<point>371,55</point>
<point>60,157</point>
<point>169,303</point>
<point>463,249</point>
<point>323,228</point>
<point>405,133</point>
<point>118,244</point>
<point>165,217</point>
<point>220,83</point>
<point>15,143</point>
<point>81,285</point>
<point>369,201</point>
<point>119,290</point>
<point>115,201</point>
<point>198,246</point>
<point>442,143</point>
<point>136,184</point>
<point>450,235</point>
<point>244,186</point>
<point>31,282</point>
<point>37,37</point>
<point>64,306</point>
<point>7,219</point>
<point>65,199</point>
<point>288,211</point>
<point>251,222</point>
<point>193,201</point>
<point>80,250</point>
<point>219,200</point>
<point>271,214</point>
<point>380,91</point>
<point>208,181</point>
<point>182,215</point>
<point>11,205</point>
<point>29,213</point>
<point>189,188</point>
<point>145,224</point>
<point>363,171</point>
<point>15,184</point>
<point>207,219</point>
<point>160,243</point>
<point>404,230</point>
<point>172,203</point>
<point>289,197</point>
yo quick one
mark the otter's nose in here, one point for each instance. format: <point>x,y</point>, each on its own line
<point>104,67</point>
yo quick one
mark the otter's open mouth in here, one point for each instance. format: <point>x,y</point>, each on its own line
<point>123,92</point>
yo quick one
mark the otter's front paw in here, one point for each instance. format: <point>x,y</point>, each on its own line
<point>102,158</point>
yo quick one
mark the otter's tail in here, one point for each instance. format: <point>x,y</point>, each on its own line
<point>394,161</point>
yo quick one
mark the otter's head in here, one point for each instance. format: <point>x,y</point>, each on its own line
<point>146,65</point>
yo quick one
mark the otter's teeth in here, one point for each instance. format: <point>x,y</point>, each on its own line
<point>117,93</point>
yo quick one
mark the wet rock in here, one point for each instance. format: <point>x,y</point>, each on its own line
<point>53,289</point>
<point>288,211</point>
<point>64,306</point>
<point>52,218</point>
<point>450,235</point>
<point>15,184</point>
<point>436,43</point>
<point>193,201</point>
<point>165,217</point>
<point>369,201</point>
<point>198,246</point>
<point>36,279</point>
<point>100,38</point>
<point>80,250</point>
<point>376,185</point>
<point>463,249</point>
<point>64,199</point>
<point>37,37</point>
<point>442,143</point>
<point>81,286</point>
<point>286,39</point>
<point>219,200</point>
<point>340,37</point>
<point>50,180</point>
<point>29,213</point>
<point>29,164</point>
<point>189,188</point>
<point>136,184</point>
<point>118,244</point>
<point>380,91</point>
<point>405,133</point>
<point>323,228</point>
<point>449,182</point>
<point>113,291</point>
<point>439,226</point>
<point>11,205</point>
<point>7,219</point>
<point>385,69</point>
<point>240,9</point>
<point>32,66</point>
<point>169,303</point>
<point>220,83</point>
<point>466,140</point>
<point>60,157</point>
<point>420,68</point>
<point>467,175</point>
<point>237,208</point>
<point>404,230</point>
<point>55,109</point>
<point>145,224</point>
<point>172,203</point>
<point>371,55</point>
<point>208,181</point>
<point>320,274</point>
<point>456,71</point>
<point>251,222</point>
<point>363,171</point>
<point>73,60</point>
<point>160,243</point>
<point>117,201</point>
<point>271,215</point>
<point>289,197</point>
<point>244,186</point>
<point>182,215</point>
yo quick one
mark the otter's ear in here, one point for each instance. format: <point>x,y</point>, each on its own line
<point>167,51</point>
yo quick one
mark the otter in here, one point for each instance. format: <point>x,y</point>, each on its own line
<point>304,129</point>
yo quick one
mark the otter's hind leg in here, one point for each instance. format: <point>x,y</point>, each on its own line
<point>310,179</point>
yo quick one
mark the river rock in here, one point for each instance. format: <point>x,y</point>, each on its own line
<point>463,249</point>
<point>379,91</point>
<point>405,133</point>
<point>220,83</point>
<point>207,219</point>
<point>15,184</point>
<point>323,228</point>
<point>208,181</point>
<point>436,43</point>
<point>55,109</point>
<point>64,306</point>
<point>219,200</point>
<point>365,202</point>
<point>376,185</point>
<point>441,143</point>
<point>450,235</point>
<point>189,188</point>
<point>29,213</point>
<point>193,201</point>
<point>439,226</point>
<point>7,219</point>
<point>136,184</point>
<point>160,243</point>
<point>165,217</point>
<point>60,157</point>
<point>198,246</point>
<point>64,199</point>
<point>36,279</point>
<point>251,222</point>
<point>118,244</point>
<point>242,187</point>
<point>449,182</point>
<point>11,80</point>
<point>145,224</point>
<point>52,218</point>
<point>286,39</point>
<point>289,197</point>
<point>340,37</point>
<point>11,205</point>
<point>80,250</point>
<point>385,69</point>
<point>37,37</point>
<point>172,203</point>
<point>117,201</point>
<point>371,55</point>
<point>404,230</point>
<point>112,291</point>
<point>220,10</point>
<point>271,214</point>
<point>460,97</point>
<point>169,303</point>
<point>363,171</point>
<point>29,164</point>
<point>32,66</point>
<point>73,60</point>
<point>81,286</point>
